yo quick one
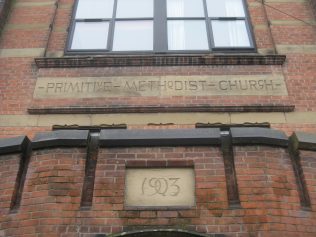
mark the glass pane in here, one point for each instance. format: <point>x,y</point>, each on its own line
<point>225,8</point>
<point>187,35</point>
<point>134,8</point>
<point>230,34</point>
<point>185,8</point>
<point>88,9</point>
<point>133,35</point>
<point>90,35</point>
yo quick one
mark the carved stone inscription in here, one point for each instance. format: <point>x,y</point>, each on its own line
<point>93,87</point>
<point>163,187</point>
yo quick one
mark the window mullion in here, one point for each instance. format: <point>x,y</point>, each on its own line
<point>208,27</point>
<point>160,26</point>
<point>111,28</point>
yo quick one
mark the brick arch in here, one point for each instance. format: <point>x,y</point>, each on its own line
<point>164,233</point>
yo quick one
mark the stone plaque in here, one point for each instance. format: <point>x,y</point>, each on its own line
<point>160,86</point>
<point>165,187</point>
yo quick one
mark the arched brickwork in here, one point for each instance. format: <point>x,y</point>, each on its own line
<point>272,179</point>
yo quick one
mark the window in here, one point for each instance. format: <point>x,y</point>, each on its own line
<point>159,26</point>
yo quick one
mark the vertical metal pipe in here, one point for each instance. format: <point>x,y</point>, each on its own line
<point>51,25</point>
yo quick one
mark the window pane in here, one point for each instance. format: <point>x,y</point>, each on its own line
<point>90,35</point>
<point>185,8</point>
<point>225,8</point>
<point>134,8</point>
<point>133,35</point>
<point>88,9</point>
<point>230,34</point>
<point>187,35</point>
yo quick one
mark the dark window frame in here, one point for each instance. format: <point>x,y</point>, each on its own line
<point>160,37</point>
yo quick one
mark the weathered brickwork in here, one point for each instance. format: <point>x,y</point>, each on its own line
<point>51,199</point>
<point>9,171</point>
<point>267,185</point>
<point>51,194</point>
<point>308,164</point>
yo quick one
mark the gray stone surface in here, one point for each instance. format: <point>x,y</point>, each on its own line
<point>258,136</point>
<point>176,137</point>
<point>304,141</point>
<point>61,138</point>
<point>95,87</point>
<point>11,145</point>
<point>160,187</point>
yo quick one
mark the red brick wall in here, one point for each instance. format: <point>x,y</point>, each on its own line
<point>268,190</point>
<point>309,168</point>
<point>20,73</point>
<point>51,195</point>
<point>209,175</point>
<point>269,200</point>
<point>9,166</point>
